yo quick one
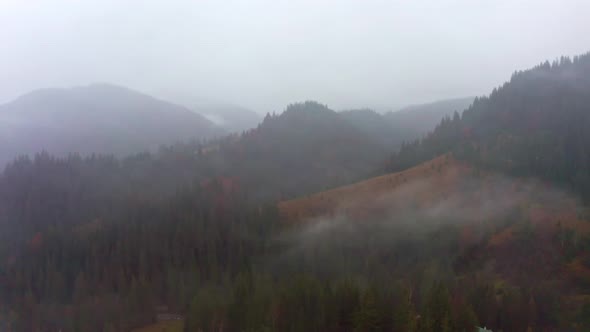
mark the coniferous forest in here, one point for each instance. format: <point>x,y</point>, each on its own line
<point>194,231</point>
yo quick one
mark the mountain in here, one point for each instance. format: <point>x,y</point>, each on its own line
<point>482,222</point>
<point>98,118</point>
<point>520,235</point>
<point>534,125</point>
<point>232,118</point>
<point>410,123</point>
<point>307,147</point>
<point>505,200</point>
<point>415,121</point>
<point>376,126</point>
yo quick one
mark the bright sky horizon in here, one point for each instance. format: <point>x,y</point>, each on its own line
<point>265,54</point>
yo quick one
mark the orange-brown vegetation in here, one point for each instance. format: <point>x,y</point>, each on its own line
<point>526,245</point>
<point>434,182</point>
<point>361,197</point>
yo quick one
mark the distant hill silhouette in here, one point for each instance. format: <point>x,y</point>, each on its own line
<point>376,126</point>
<point>232,118</point>
<point>415,121</point>
<point>409,123</point>
<point>98,118</point>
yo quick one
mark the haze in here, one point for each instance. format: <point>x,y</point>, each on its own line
<point>266,54</point>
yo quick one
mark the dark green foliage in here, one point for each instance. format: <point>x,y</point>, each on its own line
<point>208,310</point>
<point>466,319</point>
<point>98,244</point>
<point>437,316</point>
<point>159,253</point>
<point>211,255</point>
<point>584,316</point>
<point>534,125</point>
<point>404,314</point>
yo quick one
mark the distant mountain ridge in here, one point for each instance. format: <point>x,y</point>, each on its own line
<point>415,121</point>
<point>230,117</point>
<point>306,147</point>
<point>409,123</point>
<point>98,118</point>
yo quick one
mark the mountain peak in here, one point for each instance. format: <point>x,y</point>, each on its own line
<point>96,118</point>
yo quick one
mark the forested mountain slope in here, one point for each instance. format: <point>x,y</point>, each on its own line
<point>376,125</point>
<point>443,240</point>
<point>415,121</point>
<point>534,125</point>
<point>469,233</point>
<point>307,147</point>
<point>511,185</point>
<point>407,124</point>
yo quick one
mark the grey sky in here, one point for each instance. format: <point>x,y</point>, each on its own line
<point>266,54</point>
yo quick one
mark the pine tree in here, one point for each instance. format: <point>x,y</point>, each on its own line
<point>438,310</point>
<point>366,318</point>
<point>404,315</point>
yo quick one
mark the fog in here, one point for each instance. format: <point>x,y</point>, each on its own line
<point>420,220</point>
<point>266,54</point>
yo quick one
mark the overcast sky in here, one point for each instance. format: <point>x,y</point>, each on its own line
<point>266,54</point>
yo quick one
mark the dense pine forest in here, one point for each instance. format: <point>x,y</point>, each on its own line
<point>534,125</point>
<point>101,243</point>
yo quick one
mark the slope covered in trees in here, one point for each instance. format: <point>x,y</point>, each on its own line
<point>409,123</point>
<point>534,125</point>
<point>376,126</point>
<point>100,243</point>
<point>307,148</point>
<point>225,262</point>
<point>415,121</point>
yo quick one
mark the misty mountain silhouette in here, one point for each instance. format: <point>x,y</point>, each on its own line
<point>98,118</point>
<point>414,121</point>
<point>232,118</point>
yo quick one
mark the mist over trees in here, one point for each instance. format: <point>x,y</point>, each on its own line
<point>99,119</point>
<point>102,243</point>
<point>533,125</point>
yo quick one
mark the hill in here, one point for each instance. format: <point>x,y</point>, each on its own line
<point>414,121</point>
<point>432,185</point>
<point>515,232</point>
<point>232,118</point>
<point>98,118</point>
<point>307,147</point>
<point>495,244</point>
<point>407,124</point>
<point>368,195</point>
<point>475,226</point>
<point>377,127</point>
<point>533,125</point>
